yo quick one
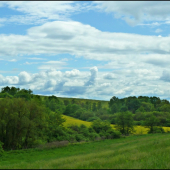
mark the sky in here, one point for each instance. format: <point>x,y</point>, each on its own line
<point>86,49</point>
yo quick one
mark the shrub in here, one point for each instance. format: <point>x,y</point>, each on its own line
<point>80,137</point>
<point>157,130</point>
<point>93,136</point>
<point>4,95</point>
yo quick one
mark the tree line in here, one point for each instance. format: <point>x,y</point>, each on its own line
<point>28,120</point>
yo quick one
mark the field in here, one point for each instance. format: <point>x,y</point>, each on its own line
<point>104,103</point>
<point>133,152</point>
<point>74,121</point>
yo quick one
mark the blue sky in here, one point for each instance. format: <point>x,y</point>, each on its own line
<point>86,49</point>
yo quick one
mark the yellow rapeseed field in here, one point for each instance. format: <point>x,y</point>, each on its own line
<point>74,121</point>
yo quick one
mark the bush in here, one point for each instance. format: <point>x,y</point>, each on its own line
<point>111,134</point>
<point>93,136</point>
<point>91,119</point>
<point>80,137</point>
<point>157,130</point>
<point>1,149</point>
<point>4,95</point>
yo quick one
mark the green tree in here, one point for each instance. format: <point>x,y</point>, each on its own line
<point>100,126</point>
<point>113,100</point>
<point>88,105</point>
<point>151,121</point>
<point>124,122</point>
<point>66,102</point>
<point>133,104</point>
<point>99,105</point>
<point>114,108</point>
<point>94,107</point>
<point>165,108</point>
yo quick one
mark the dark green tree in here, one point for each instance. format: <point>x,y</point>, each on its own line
<point>94,107</point>
<point>124,122</point>
<point>99,105</point>
<point>151,121</point>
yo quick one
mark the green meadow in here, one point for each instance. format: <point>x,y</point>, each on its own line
<point>149,151</point>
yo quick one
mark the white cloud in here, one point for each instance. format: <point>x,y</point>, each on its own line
<point>13,60</point>
<point>158,30</point>
<point>109,76</point>
<point>35,58</point>
<point>92,79</point>
<point>131,82</point>
<point>38,12</point>
<point>24,77</point>
<point>52,65</point>
<point>72,73</point>
<point>134,12</point>
<point>82,40</point>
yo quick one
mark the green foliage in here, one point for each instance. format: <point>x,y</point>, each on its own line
<point>54,104</point>
<point>151,121</point>
<point>5,95</point>
<point>114,108</point>
<point>1,149</point>
<point>100,126</point>
<point>99,105</point>
<point>124,122</point>
<point>165,108</point>
<point>94,107</point>
<point>23,122</point>
<point>156,130</point>
<point>72,110</point>
<point>66,102</point>
<point>133,104</point>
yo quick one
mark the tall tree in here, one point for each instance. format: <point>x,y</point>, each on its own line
<point>124,122</point>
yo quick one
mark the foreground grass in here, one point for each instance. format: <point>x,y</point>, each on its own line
<point>134,152</point>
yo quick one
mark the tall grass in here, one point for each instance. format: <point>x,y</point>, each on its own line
<point>134,152</point>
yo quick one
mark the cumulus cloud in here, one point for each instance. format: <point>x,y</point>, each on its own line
<point>109,76</point>
<point>50,83</point>
<point>156,60</point>
<point>83,40</point>
<point>134,12</point>
<point>24,77</point>
<point>92,79</point>
<point>133,82</point>
<point>8,80</point>
<point>72,73</point>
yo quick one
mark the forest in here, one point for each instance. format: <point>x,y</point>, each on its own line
<point>28,120</point>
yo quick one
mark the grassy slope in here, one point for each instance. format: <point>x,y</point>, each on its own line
<point>139,152</point>
<point>104,103</point>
